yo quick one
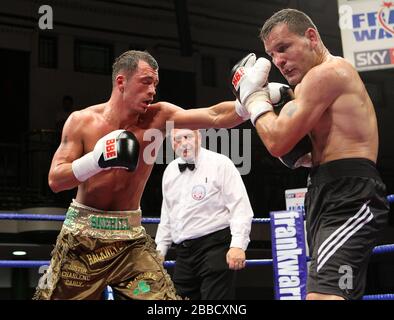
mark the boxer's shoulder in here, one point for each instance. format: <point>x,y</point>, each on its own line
<point>165,107</point>
<point>335,70</point>
<point>325,81</point>
<point>161,112</point>
<point>87,113</point>
<point>154,118</point>
<point>81,122</point>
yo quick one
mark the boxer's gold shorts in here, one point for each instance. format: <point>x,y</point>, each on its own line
<point>95,249</point>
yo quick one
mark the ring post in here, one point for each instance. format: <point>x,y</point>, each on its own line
<point>288,255</point>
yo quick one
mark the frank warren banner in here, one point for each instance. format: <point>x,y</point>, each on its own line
<point>367,31</point>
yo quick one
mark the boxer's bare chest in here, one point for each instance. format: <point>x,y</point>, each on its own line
<point>111,185</point>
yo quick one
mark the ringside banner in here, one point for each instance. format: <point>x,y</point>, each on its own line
<point>295,199</point>
<point>288,255</point>
<point>367,32</point>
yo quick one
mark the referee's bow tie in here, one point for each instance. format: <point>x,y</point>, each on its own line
<point>183,166</point>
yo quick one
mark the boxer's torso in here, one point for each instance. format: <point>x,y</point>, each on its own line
<point>348,127</point>
<point>118,189</point>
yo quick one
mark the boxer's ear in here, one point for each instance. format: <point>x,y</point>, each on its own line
<point>120,82</point>
<point>313,36</point>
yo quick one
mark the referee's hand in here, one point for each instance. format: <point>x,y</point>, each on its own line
<point>235,258</point>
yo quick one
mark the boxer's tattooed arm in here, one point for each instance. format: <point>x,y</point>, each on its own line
<point>65,139</point>
<point>291,107</point>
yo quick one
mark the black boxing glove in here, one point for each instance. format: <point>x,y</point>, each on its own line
<point>117,149</point>
<point>300,154</point>
<point>280,94</point>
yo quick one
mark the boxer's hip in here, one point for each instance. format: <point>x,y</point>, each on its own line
<point>114,225</point>
<point>349,167</point>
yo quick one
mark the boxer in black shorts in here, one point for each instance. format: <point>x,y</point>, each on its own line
<point>346,207</point>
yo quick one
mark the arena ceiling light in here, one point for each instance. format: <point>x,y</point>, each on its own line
<point>19,253</point>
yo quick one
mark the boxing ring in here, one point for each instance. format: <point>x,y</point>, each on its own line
<point>301,265</point>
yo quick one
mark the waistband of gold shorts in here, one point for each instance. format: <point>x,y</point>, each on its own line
<point>81,219</point>
<point>78,205</point>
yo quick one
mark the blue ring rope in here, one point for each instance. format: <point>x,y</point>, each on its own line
<point>169,263</point>
<point>50,217</point>
<point>387,296</point>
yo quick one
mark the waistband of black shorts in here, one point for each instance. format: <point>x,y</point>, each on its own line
<point>189,243</point>
<point>350,167</point>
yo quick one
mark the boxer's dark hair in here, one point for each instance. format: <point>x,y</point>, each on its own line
<point>128,61</point>
<point>297,22</point>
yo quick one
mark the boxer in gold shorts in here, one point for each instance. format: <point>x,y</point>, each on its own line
<point>106,151</point>
<point>96,249</point>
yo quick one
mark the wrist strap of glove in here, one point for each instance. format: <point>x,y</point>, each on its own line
<point>258,104</point>
<point>85,167</point>
<point>241,111</point>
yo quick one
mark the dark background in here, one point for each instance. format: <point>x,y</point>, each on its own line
<point>196,43</point>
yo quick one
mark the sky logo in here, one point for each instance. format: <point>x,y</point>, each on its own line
<point>374,58</point>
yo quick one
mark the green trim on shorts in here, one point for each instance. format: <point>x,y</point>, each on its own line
<point>104,223</point>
